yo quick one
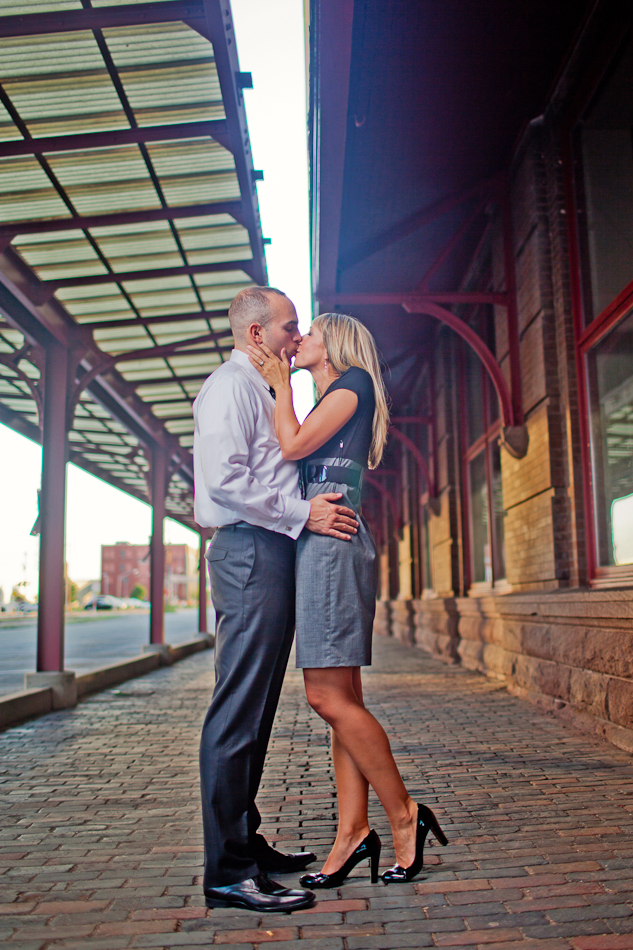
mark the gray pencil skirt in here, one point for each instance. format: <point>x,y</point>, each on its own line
<point>336,591</point>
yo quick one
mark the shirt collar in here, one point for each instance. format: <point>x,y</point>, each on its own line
<point>237,356</point>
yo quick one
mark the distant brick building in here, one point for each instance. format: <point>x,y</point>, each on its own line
<point>124,566</point>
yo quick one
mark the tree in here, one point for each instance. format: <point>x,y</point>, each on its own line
<point>139,592</point>
<point>16,594</point>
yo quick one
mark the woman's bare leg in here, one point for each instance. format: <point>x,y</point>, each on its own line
<point>352,790</point>
<point>331,694</point>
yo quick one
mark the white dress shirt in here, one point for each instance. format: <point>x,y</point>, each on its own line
<point>239,471</point>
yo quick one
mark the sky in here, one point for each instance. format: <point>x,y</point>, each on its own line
<point>271,45</point>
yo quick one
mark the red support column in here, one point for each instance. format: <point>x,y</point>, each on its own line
<point>50,620</point>
<point>512,311</point>
<point>50,616</point>
<point>157,548</point>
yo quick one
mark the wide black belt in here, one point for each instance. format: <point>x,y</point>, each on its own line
<point>338,474</point>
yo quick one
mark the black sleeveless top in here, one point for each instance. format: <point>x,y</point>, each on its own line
<point>353,440</point>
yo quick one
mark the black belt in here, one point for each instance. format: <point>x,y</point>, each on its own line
<point>338,474</point>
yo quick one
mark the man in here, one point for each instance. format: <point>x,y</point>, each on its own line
<point>244,487</point>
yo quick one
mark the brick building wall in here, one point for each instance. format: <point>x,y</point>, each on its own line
<point>549,628</point>
<point>124,566</point>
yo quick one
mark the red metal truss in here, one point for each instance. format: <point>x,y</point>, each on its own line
<point>152,321</point>
<point>373,479</point>
<point>119,219</point>
<point>147,353</point>
<point>182,377</point>
<point>420,461</point>
<point>101,18</point>
<point>414,222</point>
<point>49,287</point>
<point>413,299</point>
<point>215,129</point>
<point>11,362</point>
<point>449,247</point>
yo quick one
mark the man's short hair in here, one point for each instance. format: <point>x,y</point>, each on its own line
<point>252,305</point>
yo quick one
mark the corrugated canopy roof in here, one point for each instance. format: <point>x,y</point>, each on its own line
<point>128,219</point>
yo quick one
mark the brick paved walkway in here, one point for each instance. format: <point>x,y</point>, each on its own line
<point>100,841</point>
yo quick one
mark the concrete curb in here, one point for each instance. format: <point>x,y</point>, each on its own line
<point>16,707</point>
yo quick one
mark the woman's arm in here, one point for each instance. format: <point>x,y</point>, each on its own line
<point>324,421</point>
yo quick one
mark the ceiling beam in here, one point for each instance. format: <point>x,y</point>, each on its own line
<point>409,301</point>
<point>101,18</point>
<point>413,222</point>
<point>165,318</point>
<point>48,287</point>
<point>200,350</point>
<point>216,129</point>
<point>13,229</point>
<point>169,380</point>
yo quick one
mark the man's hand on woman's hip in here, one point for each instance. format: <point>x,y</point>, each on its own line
<point>326,517</point>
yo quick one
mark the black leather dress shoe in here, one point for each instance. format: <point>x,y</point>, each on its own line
<point>272,861</point>
<point>261,894</point>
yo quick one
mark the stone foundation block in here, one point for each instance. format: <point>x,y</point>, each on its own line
<point>63,686</point>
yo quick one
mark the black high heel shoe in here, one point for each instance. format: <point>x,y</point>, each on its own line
<point>426,822</point>
<point>368,848</point>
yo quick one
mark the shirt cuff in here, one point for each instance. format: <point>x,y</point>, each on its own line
<point>294,517</point>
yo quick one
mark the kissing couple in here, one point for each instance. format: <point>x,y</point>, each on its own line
<point>291,549</point>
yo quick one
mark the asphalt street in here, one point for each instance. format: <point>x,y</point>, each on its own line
<point>90,643</point>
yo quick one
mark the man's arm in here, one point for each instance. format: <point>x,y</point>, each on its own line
<point>226,418</point>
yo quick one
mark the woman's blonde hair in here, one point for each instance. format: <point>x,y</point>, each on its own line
<point>349,343</point>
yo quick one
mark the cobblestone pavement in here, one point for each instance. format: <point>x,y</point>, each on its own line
<point>101,841</point>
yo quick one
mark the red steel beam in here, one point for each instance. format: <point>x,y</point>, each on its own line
<point>50,616</point>
<point>49,287</point>
<point>408,300</point>
<point>474,340</point>
<point>512,313</point>
<point>421,462</point>
<point>449,247</point>
<point>157,547</point>
<point>116,137</point>
<point>410,420</point>
<point>84,222</point>
<point>413,222</point>
<point>372,479</point>
<point>102,18</point>
<point>165,318</point>
<point>171,380</point>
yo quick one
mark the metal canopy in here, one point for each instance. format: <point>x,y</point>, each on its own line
<point>128,222</point>
<point>416,107</point>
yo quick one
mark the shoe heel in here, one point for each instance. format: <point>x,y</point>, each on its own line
<point>373,863</point>
<point>374,855</point>
<point>434,827</point>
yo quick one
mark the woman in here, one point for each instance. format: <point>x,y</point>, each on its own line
<point>336,588</point>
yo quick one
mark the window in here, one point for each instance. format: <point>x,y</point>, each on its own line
<point>605,188</point>
<point>484,528</point>
<point>610,384</point>
<point>603,235</point>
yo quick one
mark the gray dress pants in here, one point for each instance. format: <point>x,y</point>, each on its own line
<point>252,586</point>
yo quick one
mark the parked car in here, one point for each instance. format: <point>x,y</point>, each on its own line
<point>27,608</point>
<point>106,602</point>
